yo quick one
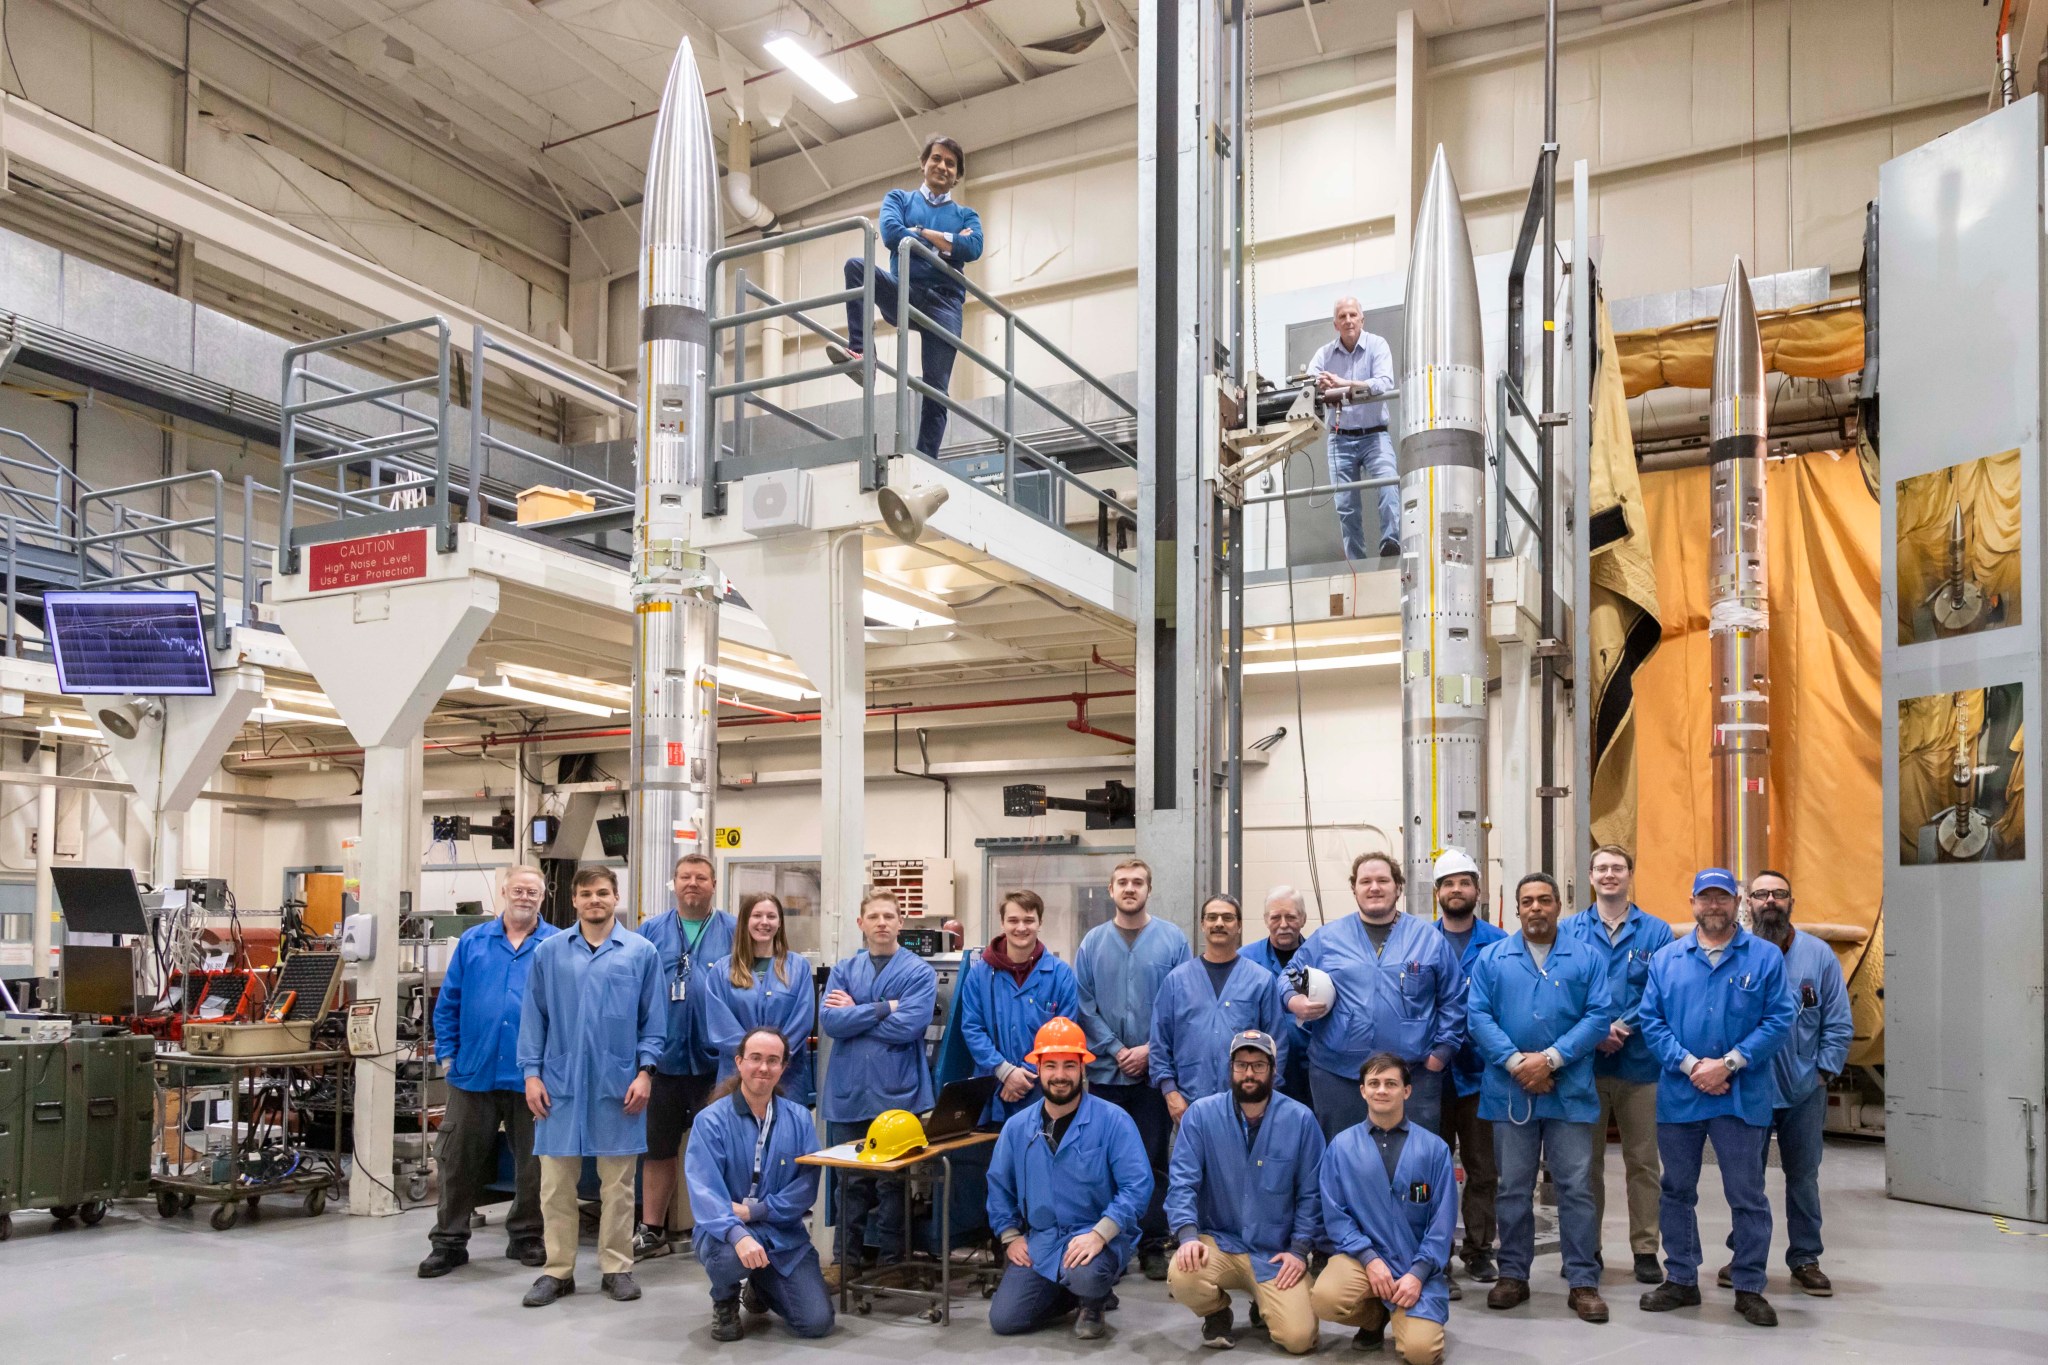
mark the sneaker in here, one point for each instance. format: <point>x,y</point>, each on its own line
<point>622,1286</point>
<point>1725,1276</point>
<point>841,354</point>
<point>649,1242</point>
<point>1369,1338</point>
<point>1507,1293</point>
<point>441,1260</point>
<point>1152,1260</point>
<point>1088,1323</point>
<point>1755,1309</point>
<point>1216,1330</point>
<point>532,1251</point>
<point>1587,1303</point>
<point>1390,549</point>
<point>1811,1280</point>
<point>547,1289</point>
<point>1668,1296</point>
<point>1258,1319</point>
<point>1647,1269</point>
<point>725,1320</point>
<point>1481,1266</point>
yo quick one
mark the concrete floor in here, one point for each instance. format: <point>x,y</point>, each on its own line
<point>1913,1284</point>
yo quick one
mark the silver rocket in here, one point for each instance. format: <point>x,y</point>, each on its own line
<point>1738,607</point>
<point>1442,461</point>
<point>675,589</point>
<point>1957,601</point>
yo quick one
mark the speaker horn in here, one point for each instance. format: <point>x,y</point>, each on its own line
<point>906,513</point>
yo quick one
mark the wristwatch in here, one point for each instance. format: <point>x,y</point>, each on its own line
<point>647,1071</point>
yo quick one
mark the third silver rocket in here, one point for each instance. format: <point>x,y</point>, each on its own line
<point>1738,605</point>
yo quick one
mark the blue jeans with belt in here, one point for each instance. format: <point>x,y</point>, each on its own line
<point>935,356</point>
<point>1364,455</point>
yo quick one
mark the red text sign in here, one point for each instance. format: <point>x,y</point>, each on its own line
<point>367,561</point>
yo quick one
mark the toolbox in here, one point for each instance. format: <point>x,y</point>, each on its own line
<point>77,1120</point>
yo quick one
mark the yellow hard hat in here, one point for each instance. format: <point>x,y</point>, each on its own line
<point>894,1133</point>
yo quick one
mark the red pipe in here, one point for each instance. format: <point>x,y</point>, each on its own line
<point>1095,657</point>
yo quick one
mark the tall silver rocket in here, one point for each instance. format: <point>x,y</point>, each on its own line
<point>1738,608</point>
<point>675,589</point>
<point>1442,460</point>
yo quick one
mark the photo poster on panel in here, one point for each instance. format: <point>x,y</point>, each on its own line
<point>1962,773</point>
<point>1958,549</point>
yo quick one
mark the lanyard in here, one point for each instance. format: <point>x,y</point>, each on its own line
<point>761,1149</point>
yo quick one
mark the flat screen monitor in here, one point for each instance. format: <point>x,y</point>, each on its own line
<point>145,643</point>
<point>97,980</point>
<point>99,900</point>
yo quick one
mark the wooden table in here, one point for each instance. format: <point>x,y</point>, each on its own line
<point>912,1167</point>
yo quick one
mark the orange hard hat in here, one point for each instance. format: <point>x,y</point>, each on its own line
<point>1059,1036</point>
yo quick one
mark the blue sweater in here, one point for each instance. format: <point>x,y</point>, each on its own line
<point>907,211</point>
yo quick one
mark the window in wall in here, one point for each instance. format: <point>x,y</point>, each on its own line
<point>1073,883</point>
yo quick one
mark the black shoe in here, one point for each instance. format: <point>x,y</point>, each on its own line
<point>1258,1319</point>
<point>1112,1303</point>
<point>1216,1330</point>
<point>621,1286</point>
<point>1647,1269</point>
<point>547,1289</point>
<point>1390,549</point>
<point>1451,1287</point>
<point>1152,1260</point>
<point>532,1251</point>
<point>1088,1323</point>
<point>1668,1296</point>
<point>1755,1309</point>
<point>1370,1338</point>
<point>1811,1280</point>
<point>1481,1266</point>
<point>441,1260</point>
<point>725,1320</point>
<point>650,1242</point>
<point>750,1299</point>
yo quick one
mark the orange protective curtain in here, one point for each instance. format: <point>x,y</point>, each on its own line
<point>1820,341</point>
<point>1826,775</point>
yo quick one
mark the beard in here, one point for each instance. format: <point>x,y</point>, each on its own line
<point>1254,1091</point>
<point>1060,1089</point>
<point>1456,904</point>
<point>1774,922</point>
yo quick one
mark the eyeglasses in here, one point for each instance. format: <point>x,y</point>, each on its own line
<point>1250,1068</point>
<point>1771,895</point>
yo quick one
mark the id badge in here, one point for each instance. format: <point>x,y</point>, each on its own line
<point>679,990</point>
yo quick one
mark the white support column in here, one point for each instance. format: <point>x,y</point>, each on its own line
<point>842,742</point>
<point>393,812</point>
<point>42,934</point>
<point>1411,148</point>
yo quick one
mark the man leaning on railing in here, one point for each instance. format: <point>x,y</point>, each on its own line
<point>952,230</point>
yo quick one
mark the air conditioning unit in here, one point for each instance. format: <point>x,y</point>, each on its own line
<point>777,501</point>
<point>922,886</point>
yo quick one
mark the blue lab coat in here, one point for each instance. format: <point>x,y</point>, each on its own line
<point>1467,1068</point>
<point>719,1172</point>
<point>690,1050</point>
<point>592,1018</point>
<point>1262,953</point>
<point>1628,968</point>
<point>476,1016</point>
<point>1119,987</point>
<point>1406,1223</point>
<point>788,1007</point>
<point>1099,1171</point>
<point>1410,1001</point>
<point>1513,1006</point>
<point>1821,1031</point>
<point>1691,1007</point>
<point>878,1060</point>
<point>1192,1026</point>
<point>905,211</point>
<point>1256,1201</point>
<point>999,1019</point>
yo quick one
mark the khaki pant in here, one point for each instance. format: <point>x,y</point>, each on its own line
<point>1634,1108</point>
<point>562,1219</point>
<point>1343,1295</point>
<point>1290,1317</point>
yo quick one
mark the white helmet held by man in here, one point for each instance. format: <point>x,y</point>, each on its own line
<point>1315,983</point>
<point>1452,861</point>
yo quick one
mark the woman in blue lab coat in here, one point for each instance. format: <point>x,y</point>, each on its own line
<point>762,985</point>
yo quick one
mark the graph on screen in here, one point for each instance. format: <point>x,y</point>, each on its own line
<point>143,643</point>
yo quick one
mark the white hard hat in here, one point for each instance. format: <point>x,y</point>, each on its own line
<point>1451,862</point>
<point>1315,983</point>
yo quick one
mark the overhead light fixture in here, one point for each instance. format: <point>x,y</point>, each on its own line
<point>1326,663</point>
<point>58,727</point>
<point>901,611</point>
<point>1280,641</point>
<point>278,714</point>
<point>749,681</point>
<point>808,68</point>
<point>615,693</point>
<point>548,699</point>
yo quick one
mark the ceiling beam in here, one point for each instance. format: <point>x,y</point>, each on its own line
<point>1008,55</point>
<point>842,30</point>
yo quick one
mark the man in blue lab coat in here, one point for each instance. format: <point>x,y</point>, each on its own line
<point>1008,992</point>
<point>1456,876</point>
<point>1204,1003</point>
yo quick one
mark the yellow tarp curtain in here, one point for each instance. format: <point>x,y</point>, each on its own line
<point>1821,341</point>
<point>1826,776</point>
<point>1988,491</point>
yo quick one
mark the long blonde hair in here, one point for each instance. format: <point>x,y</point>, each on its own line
<point>742,973</point>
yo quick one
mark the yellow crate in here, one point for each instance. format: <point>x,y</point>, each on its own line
<point>542,503</point>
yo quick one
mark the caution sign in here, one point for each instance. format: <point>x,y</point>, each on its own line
<point>676,757</point>
<point>726,836</point>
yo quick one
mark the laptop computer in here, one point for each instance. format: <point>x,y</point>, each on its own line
<point>959,1108</point>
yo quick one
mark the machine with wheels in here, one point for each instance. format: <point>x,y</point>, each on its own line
<point>263,1152</point>
<point>75,1124</point>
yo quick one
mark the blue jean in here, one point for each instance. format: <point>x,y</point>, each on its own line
<point>1568,1149</point>
<point>862,1197</point>
<point>1026,1301</point>
<point>934,355</point>
<point>1799,1128</point>
<point>799,1298</point>
<point>1338,1104</point>
<point>1739,1150</point>
<point>1364,455</point>
<point>1147,1108</point>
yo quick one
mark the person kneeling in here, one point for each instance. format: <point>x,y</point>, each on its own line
<point>1245,1202</point>
<point>750,1197</point>
<point>1390,1205</point>
<point>1066,1186</point>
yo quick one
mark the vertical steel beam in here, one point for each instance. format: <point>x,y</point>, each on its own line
<point>1585,335</point>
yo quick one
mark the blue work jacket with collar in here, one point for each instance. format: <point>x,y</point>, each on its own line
<point>999,1019</point>
<point>1408,1000</point>
<point>1120,984</point>
<point>1821,1030</point>
<point>476,1016</point>
<point>1513,1006</point>
<point>689,1051</point>
<point>1052,1197</point>
<point>1192,1025</point>
<point>591,1019</point>
<point>1257,1199</point>
<point>1262,953</point>
<point>1695,1008</point>
<point>1627,957</point>
<point>789,1007</point>
<point>878,1060</point>
<point>1467,1067</point>
<point>1406,1222</point>
<point>719,1171</point>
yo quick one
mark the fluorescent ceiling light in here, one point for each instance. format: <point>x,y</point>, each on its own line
<point>293,696</point>
<point>808,69</point>
<point>1332,661</point>
<point>279,713</point>
<point>614,693</point>
<point>1280,641</point>
<point>748,681</point>
<point>59,727</point>
<point>548,699</point>
<point>898,611</point>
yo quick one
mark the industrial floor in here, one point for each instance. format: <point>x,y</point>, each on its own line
<point>1913,1284</point>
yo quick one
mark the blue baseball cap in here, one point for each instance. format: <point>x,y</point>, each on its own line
<point>1715,879</point>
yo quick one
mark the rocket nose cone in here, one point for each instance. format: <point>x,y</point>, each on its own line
<point>682,77</point>
<point>1443,319</point>
<point>1737,389</point>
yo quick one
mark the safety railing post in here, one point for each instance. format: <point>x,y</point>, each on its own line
<point>1500,467</point>
<point>443,508</point>
<point>223,628</point>
<point>475,511</point>
<point>248,548</point>
<point>13,587</point>
<point>1009,407</point>
<point>742,442</point>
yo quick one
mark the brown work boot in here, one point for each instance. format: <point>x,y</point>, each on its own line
<point>1587,1303</point>
<point>1811,1280</point>
<point>1507,1293</point>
